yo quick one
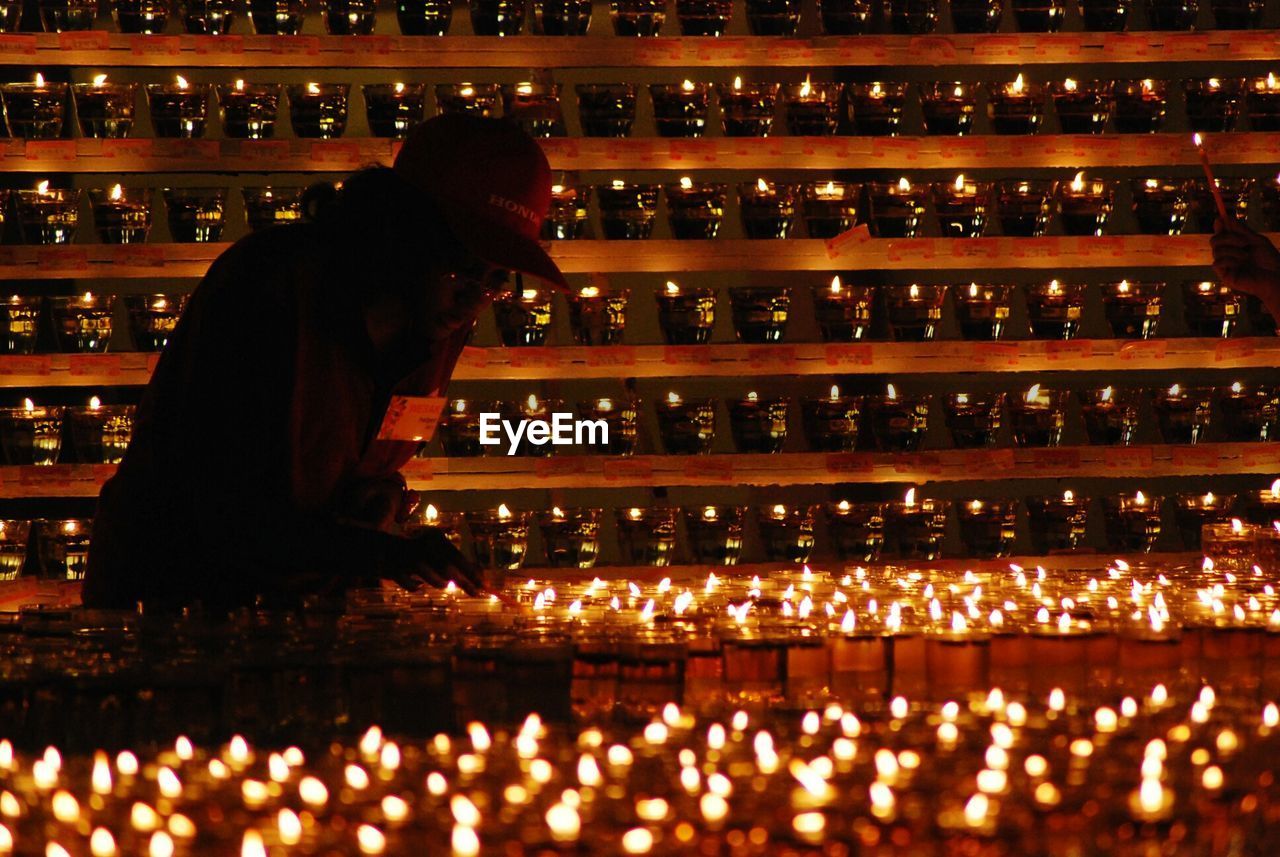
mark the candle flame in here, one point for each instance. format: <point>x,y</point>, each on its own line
<point>1017,85</point>
<point>686,183</point>
<point>835,285</point>
<point>99,79</point>
<point>959,185</point>
<point>687,86</point>
<point>910,498</point>
<point>117,193</point>
<point>28,405</point>
<point>1077,184</point>
<point>806,87</point>
<point>1275,489</point>
<point>835,394</point>
<point>1237,526</point>
<point>240,84</point>
<point>737,82</point>
<point>181,81</point>
<point>43,187</point>
<point>39,79</point>
<point>503,512</point>
<point>673,398</point>
<point>672,288</point>
<point>1140,498</point>
<point>1070,85</point>
<point>1106,394</point>
<point>1271,80</point>
<point>1175,390</point>
<point>313,88</point>
<point>891,391</point>
<point>1033,394</point>
<point>95,403</point>
<point>762,185</point>
<point>1068,496</point>
<point>903,184</point>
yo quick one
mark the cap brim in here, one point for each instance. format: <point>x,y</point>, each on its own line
<point>504,247</point>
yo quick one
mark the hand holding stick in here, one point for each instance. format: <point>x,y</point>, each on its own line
<point>1208,174</point>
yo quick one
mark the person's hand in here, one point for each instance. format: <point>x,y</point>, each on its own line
<point>1246,261</point>
<point>429,558</point>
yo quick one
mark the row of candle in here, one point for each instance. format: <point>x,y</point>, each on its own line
<point>846,312</point>
<point>636,17</point>
<point>53,549</point>
<point>32,434</point>
<point>892,421</point>
<point>83,324</point>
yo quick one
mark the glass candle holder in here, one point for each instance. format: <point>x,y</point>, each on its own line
<point>680,109</point>
<point>1192,511</point>
<point>428,517</point>
<point>915,311</point>
<point>523,316</point>
<point>1213,103</point>
<point>249,110</point>
<point>82,322</point>
<point>983,310</point>
<point>1183,413</point>
<point>535,107</point>
<point>99,434</point>
<point>786,532</point>
<point>424,17</point>
<point>703,17</point>
<point>393,109</point>
<point>1132,308</point>
<point>60,16</point>
<point>747,109</point>
<point>1110,415</point>
<point>152,319</point>
<point>48,215</point>
<point>1230,544</point>
<point>61,547</point>
<point>1133,522</point>
<point>1211,309</point>
<point>1054,309</point>
<point>896,208</point>
<point>1038,416</point>
<point>10,16</point>
<point>1039,16</point>
<point>627,211</point>
<point>759,425</point>
<point>1085,205</point>
<point>1262,103</point>
<point>773,17</point>
<point>571,537</point>
<point>598,316</point>
<point>831,422</point>
<point>812,109</point>
<point>647,536</point>
<point>948,107</point>
<point>845,17</point>
<point>606,109</point>
<point>13,548</point>
<point>715,534</point>
<point>1023,207</point>
<point>1249,412</point>
<point>561,17</point>
<point>276,17</point>
<point>768,208</point>
<point>637,17</point>
<point>195,214</point>
<point>687,426</point>
<point>915,527</point>
<point>1262,506</point>
<point>1140,105</point>
<point>976,16</point>
<point>178,109</point>
<point>1015,108</point>
<point>30,434</point>
<point>875,109</point>
<point>988,528</point>
<point>569,214</point>
<point>121,215</point>
<point>21,320</point>
<point>499,537</point>
<point>973,419</point>
<point>620,415</point>
<point>209,17</point>
<point>318,110</point>
<point>1238,14</point>
<point>497,17</point>
<point>898,421</point>
<point>479,99</point>
<point>686,316</point>
<point>104,110</point>
<point>34,111</point>
<point>1172,14</point>
<point>760,313</point>
<point>1159,206</point>
<point>829,208</point>
<point>843,311</point>
<point>1104,15</point>
<point>1202,210</point>
<point>1057,523</point>
<point>459,427</point>
<point>350,17</point>
<point>695,210</point>
<point>1083,107</point>
<point>856,530</point>
<point>913,17</point>
<point>141,16</point>
<point>961,207</point>
<point>534,407</point>
<point>271,206</point>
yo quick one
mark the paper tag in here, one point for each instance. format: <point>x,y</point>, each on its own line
<point>658,50</point>
<point>62,257</point>
<point>627,470</point>
<point>51,150</point>
<point>680,355</point>
<point>789,51</point>
<point>141,255</point>
<point>560,465</point>
<point>1130,459</point>
<point>715,468</point>
<point>1232,349</point>
<point>851,354</point>
<point>26,364</point>
<point>1055,460</point>
<point>411,418</point>
<point>473,357</point>
<point>84,40</point>
<point>909,463</point>
<point>939,49</point>
<point>106,365</point>
<point>726,50</point>
<point>155,45</point>
<point>205,45</point>
<point>1074,349</point>
<point>17,45</point>
<point>775,359</point>
<point>265,151</point>
<point>996,354</point>
<point>992,459</point>
<point>532,357</point>
<point>295,45</point>
<point>134,147</point>
<point>848,462</point>
<point>1197,459</point>
<point>1262,455</point>
<point>418,470</point>
<point>847,240</point>
<point>1151,349</point>
<point>612,355</point>
<point>335,152</point>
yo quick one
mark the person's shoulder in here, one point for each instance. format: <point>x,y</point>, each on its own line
<point>266,262</point>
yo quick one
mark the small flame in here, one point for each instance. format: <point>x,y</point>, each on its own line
<point>240,84</point>
<point>43,187</point>
<point>1017,85</point>
<point>836,288</point>
<point>673,398</point>
<point>910,498</point>
<point>313,88</point>
<point>432,514</point>
<point>1070,85</point>
<point>1068,496</point>
<point>672,288</point>
<point>503,512</point>
<point>1106,394</point>
<point>1077,184</point>
<point>959,185</point>
<point>687,86</point>
<point>28,405</point>
<point>891,391</point>
<point>1237,526</point>
<point>1197,140</point>
<point>903,184</point>
<point>1140,499</point>
<point>835,396</point>
<point>99,79</point>
<point>1033,394</point>
<point>181,81</point>
<point>737,83</point>
<point>95,403</point>
<point>117,193</point>
<point>686,183</point>
<point>762,185</point>
<point>806,87</point>
<point>39,79</point>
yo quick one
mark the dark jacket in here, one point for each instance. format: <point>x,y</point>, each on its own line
<point>255,442</point>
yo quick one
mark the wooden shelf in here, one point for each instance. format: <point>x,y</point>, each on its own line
<point>1068,152</point>
<point>573,362</point>
<point>853,251</point>
<point>603,50</point>
<point>801,468</point>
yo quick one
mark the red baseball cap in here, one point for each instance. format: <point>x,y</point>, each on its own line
<point>493,184</point>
